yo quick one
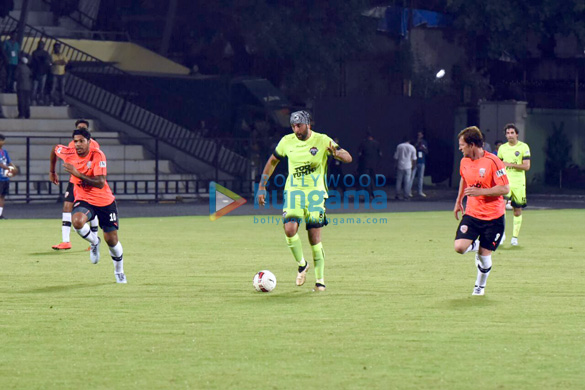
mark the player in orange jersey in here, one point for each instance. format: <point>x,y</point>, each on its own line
<point>68,201</point>
<point>483,182</point>
<point>93,196</point>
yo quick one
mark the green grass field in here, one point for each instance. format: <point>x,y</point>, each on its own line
<point>397,313</point>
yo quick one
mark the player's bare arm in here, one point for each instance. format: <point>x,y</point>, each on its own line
<point>94,181</point>
<point>53,177</point>
<point>459,201</point>
<point>494,191</point>
<point>340,154</point>
<point>525,166</point>
<point>266,173</point>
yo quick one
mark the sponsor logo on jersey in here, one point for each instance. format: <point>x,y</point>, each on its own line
<point>463,229</point>
<point>501,172</point>
<point>481,172</point>
<point>313,150</point>
<point>102,164</point>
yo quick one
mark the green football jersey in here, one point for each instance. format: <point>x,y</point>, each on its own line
<point>515,155</point>
<point>307,161</point>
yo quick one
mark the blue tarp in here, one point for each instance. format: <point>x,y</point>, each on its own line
<point>395,20</point>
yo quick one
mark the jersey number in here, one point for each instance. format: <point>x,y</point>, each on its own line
<point>112,217</point>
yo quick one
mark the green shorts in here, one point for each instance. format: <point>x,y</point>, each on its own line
<point>298,208</point>
<point>517,195</point>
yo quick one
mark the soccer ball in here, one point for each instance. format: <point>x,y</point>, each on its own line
<point>264,281</point>
<point>11,171</point>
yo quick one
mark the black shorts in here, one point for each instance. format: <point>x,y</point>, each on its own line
<point>107,215</point>
<point>489,232</point>
<point>4,184</point>
<point>69,193</point>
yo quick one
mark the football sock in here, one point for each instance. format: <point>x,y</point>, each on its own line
<point>116,252</point>
<point>517,225</point>
<point>66,227</point>
<point>319,259</point>
<point>88,235</point>
<point>94,224</point>
<point>296,247</point>
<point>1,211</point>
<point>484,266</point>
<point>474,246</point>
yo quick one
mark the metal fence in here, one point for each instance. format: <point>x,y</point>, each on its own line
<point>136,169</point>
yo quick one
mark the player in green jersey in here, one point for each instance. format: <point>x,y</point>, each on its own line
<point>306,189</point>
<point>516,157</point>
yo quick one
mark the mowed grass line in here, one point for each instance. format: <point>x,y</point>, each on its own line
<point>398,312</point>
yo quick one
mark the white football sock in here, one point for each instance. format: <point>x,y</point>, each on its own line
<point>94,224</point>
<point>86,233</point>
<point>484,266</point>
<point>117,254</point>
<point>1,210</point>
<point>66,227</point>
<point>474,246</point>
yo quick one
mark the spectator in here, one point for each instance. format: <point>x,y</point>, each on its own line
<point>422,150</point>
<point>23,88</point>
<point>405,157</point>
<point>40,66</point>
<point>58,63</point>
<point>369,155</point>
<point>7,170</point>
<point>11,52</point>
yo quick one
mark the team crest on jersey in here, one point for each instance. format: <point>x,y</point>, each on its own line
<point>314,150</point>
<point>481,172</point>
<point>516,153</point>
<point>102,164</point>
<point>284,215</point>
<point>463,229</point>
<point>88,164</point>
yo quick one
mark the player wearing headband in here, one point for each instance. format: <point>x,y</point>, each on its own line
<point>306,189</point>
<point>93,197</point>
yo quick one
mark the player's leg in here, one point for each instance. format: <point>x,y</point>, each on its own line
<point>82,212</point>
<point>3,189</point>
<point>292,214</point>
<point>518,201</point>
<point>490,237</point>
<point>315,220</point>
<point>109,222</point>
<point>466,236</point>
<point>66,220</point>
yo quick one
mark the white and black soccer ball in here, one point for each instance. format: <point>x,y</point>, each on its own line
<point>264,281</point>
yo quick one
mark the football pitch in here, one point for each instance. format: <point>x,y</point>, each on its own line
<point>397,314</point>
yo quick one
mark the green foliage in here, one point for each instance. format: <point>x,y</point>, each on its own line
<point>558,154</point>
<point>398,312</point>
<point>503,26</point>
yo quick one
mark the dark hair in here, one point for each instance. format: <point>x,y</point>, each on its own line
<point>472,136</point>
<point>499,142</point>
<point>2,138</point>
<point>79,121</point>
<point>82,132</point>
<point>511,126</point>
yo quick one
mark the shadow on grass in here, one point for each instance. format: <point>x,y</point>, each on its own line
<point>56,253</point>
<point>51,289</point>
<point>470,302</point>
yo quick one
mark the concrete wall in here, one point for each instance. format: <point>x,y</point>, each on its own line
<point>128,56</point>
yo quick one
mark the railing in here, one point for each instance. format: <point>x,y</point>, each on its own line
<point>127,111</point>
<point>151,182</point>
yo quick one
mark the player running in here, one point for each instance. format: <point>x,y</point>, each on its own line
<point>516,157</point>
<point>68,201</point>
<point>483,182</point>
<point>93,196</point>
<point>305,191</point>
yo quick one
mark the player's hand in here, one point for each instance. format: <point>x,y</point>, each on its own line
<point>261,197</point>
<point>70,168</point>
<point>332,150</point>
<point>54,178</point>
<point>472,191</point>
<point>459,208</point>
